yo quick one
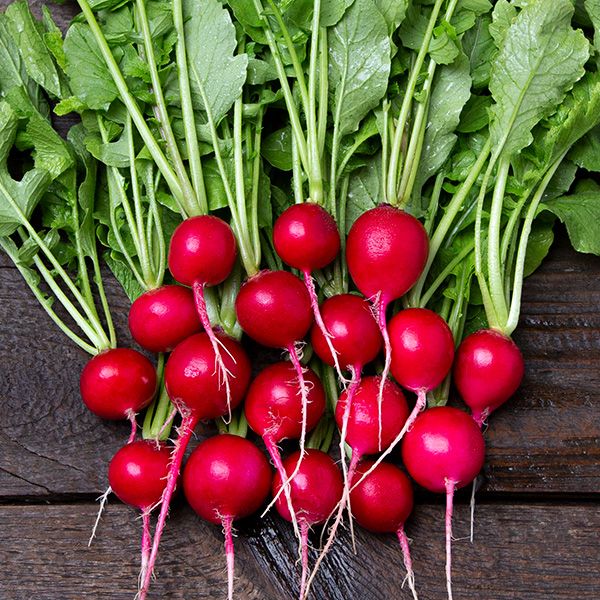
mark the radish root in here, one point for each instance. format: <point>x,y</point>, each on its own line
<point>229,554</point>
<point>450,486</point>
<point>380,306</point>
<point>304,554</point>
<point>410,576</point>
<point>102,499</point>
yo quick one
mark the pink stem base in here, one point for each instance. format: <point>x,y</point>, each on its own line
<point>304,556</point>
<point>133,421</point>
<point>314,302</point>
<point>223,373</point>
<point>410,576</point>
<point>450,486</point>
<point>275,455</point>
<point>188,424</point>
<point>381,307</point>
<point>419,406</point>
<point>302,442</point>
<point>229,554</point>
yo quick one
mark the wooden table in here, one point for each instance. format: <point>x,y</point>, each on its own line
<point>537,528</point>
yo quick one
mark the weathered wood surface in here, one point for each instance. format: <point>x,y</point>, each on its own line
<point>546,440</point>
<point>522,551</point>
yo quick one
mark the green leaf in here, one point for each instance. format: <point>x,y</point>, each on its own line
<point>538,245</point>
<point>217,76</point>
<point>479,47</point>
<point>359,50</point>
<point>580,212</point>
<point>593,10</point>
<point>277,148</point>
<point>503,17</point>
<point>246,15</point>
<point>124,275</point>
<point>332,11</point>
<point>393,12</point>
<point>88,74</point>
<point>586,153</point>
<point>451,90</point>
<point>541,58</point>
<point>36,58</point>
<point>475,115</point>
<point>364,191</point>
<point>25,193</point>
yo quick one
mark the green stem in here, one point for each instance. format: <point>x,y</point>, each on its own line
<point>515,304</point>
<point>297,173</point>
<point>256,171</point>
<point>434,202</point>
<point>134,110</point>
<point>187,110</point>
<point>394,168</point>
<point>162,114</point>
<point>452,210</point>
<point>104,301</point>
<point>323,91</point>
<point>385,107</point>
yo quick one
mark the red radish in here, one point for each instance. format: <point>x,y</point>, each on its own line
<point>422,354</point>
<point>117,384</point>
<point>202,253</point>
<point>138,476</point>
<point>386,252</point>
<point>195,390</point>
<point>226,478</point>
<point>306,238</point>
<point>315,492</point>
<point>444,451</point>
<point>274,410</point>
<point>273,308</point>
<point>364,427</point>
<point>355,337</point>
<point>382,502</point>
<point>489,369</point>
<point>161,318</point>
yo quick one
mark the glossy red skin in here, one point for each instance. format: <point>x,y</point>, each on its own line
<point>356,335</point>
<point>192,382</point>
<point>226,476</point>
<point>274,407</point>
<point>315,490</point>
<point>273,308</point>
<point>422,349</point>
<point>117,382</point>
<point>443,444</point>
<point>202,250</point>
<point>384,500</point>
<point>138,473</point>
<point>488,370</point>
<point>363,425</point>
<point>386,251</point>
<point>306,237</point>
<point>161,318</point>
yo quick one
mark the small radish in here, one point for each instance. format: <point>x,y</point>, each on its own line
<point>161,318</point>
<point>306,238</point>
<point>226,478</point>
<point>489,369</point>
<point>274,410</point>
<point>202,253</point>
<point>138,476</point>
<point>196,392</point>
<point>422,354</point>
<point>382,502</point>
<point>117,384</point>
<point>444,451</point>
<point>315,492</point>
<point>365,428</point>
<point>386,252</point>
<point>273,308</point>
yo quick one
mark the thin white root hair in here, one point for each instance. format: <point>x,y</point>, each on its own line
<point>103,499</point>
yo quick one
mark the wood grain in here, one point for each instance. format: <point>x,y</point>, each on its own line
<point>522,551</point>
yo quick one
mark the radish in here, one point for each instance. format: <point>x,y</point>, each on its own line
<point>274,410</point>
<point>315,491</point>
<point>202,253</point>
<point>365,428</point>
<point>196,392</point>
<point>138,475</point>
<point>226,478</point>
<point>382,502</point>
<point>161,318</point>
<point>386,252</point>
<point>273,308</point>
<point>422,354</point>
<point>444,451</point>
<point>306,238</point>
<point>117,384</point>
<point>489,369</point>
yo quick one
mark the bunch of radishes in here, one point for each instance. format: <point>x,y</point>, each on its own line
<point>208,374</point>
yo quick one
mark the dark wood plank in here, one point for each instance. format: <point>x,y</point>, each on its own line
<point>520,551</point>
